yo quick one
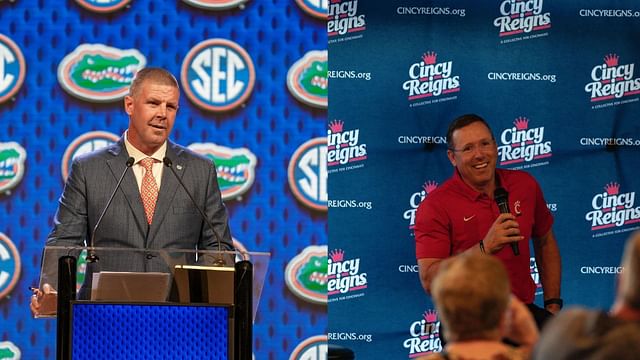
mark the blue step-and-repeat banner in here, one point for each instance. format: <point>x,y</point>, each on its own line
<point>253,75</point>
<point>556,80</point>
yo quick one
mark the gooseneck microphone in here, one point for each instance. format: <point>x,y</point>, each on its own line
<point>92,257</point>
<point>501,196</point>
<point>219,261</point>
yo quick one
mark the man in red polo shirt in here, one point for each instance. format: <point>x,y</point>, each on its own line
<point>462,216</point>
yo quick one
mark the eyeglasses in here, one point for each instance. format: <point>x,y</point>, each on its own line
<point>484,146</point>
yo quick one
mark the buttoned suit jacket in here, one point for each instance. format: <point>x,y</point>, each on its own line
<point>176,222</point>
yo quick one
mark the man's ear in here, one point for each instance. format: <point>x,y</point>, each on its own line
<point>451,157</point>
<point>128,104</point>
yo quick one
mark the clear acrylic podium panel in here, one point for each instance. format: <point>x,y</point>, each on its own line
<point>148,260</point>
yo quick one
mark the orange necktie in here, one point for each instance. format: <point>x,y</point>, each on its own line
<point>149,189</point>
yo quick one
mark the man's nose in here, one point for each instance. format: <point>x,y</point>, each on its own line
<point>162,110</point>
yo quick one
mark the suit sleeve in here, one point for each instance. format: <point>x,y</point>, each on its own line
<point>217,214</point>
<point>70,220</point>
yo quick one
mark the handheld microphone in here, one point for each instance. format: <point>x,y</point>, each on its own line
<point>92,257</point>
<point>219,261</point>
<point>501,196</point>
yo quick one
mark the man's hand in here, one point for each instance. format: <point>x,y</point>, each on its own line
<point>503,231</point>
<point>44,302</point>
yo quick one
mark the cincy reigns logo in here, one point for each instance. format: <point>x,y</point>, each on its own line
<point>416,199</point>
<point>612,80</point>
<point>430,78</point>
<point>12,68</point>
<point>523,144</point>
<point>343,145</point>
<point>218,75</point>
<point>612,208</point>
<point>521,16</point>
<point>343,18</point>
<point>344,274</point>
<point>425,335</point>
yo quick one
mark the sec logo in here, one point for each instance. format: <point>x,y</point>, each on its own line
<point>12,68</point>
<point>316,8</point>
<point>313,348</point>
<point>307,174</point>
<point>84,144</point>
<point>103,6</point>
<point>9,265</point>
<point>218,75</point>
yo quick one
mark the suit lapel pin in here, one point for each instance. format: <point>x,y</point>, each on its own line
<point>179,167</point>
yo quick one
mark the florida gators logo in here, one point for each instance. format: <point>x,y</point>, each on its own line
<point>9,265</point>
<point>307,174</point>
<point>306,274</point>
<point>216,4</point>
<point>307,79</point>
<point>12,68</point>
<point>217,75</point>
<point>12,165</point>
<point>99,73</point>
<point>236,168</point>
<point>103,6</point>
<point>315,8</point>
<point>84,144</point>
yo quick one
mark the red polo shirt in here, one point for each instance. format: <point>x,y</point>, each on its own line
<point>455,217</point>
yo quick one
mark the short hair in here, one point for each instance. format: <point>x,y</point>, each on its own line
<point>462,121</point>
<point>156,75</point>
<point>629,285</point>
<point>471,293</point>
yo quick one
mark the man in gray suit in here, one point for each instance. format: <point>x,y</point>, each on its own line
<point>150,210</point>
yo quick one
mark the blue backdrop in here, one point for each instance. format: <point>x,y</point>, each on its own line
<point>557,83</point>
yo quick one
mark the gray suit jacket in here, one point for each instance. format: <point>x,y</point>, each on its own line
<point>176,222</point>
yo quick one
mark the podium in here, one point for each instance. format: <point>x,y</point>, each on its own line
<point>153,303</point>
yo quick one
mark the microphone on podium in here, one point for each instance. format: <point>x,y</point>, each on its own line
<point>501,197</point>
<point>219,261</point>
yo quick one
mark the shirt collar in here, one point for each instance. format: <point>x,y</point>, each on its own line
<point>139,155</point>
<point>467,190</point>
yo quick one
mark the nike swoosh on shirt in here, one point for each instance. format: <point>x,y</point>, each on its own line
<point>468,218</point>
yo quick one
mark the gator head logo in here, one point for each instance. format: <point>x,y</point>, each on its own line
<point>12,68</point>
<point>307,174</point>
<point>8,351</point>
<point>99,73</point>
<point>84,144</point>
<point>314,8</point>
<point>216,4</point>
<point>313,348</point>
<point>103,6</point>
<point>12,159</point>
<point>217,75</point>
<point>236,168</point>
<point>306,274</point>
<point>307,79</point>
<point>9,265</point>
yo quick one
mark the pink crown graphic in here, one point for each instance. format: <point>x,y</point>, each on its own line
<point>611,60</point>
<point>612,188</point>
<point>336,126</point>
<point>337,255</point>
<point>429,186</point>
<point>429,58</point>
<point>430,316</point>
<point>521,123</point>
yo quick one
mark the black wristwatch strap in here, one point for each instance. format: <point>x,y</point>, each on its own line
<point>482,247</point>
<point>556,301</point>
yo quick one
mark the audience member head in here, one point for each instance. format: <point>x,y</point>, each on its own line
<point>629,281</point>
<point>471,293</point>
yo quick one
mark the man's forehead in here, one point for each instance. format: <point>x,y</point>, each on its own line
<point>472,132</point>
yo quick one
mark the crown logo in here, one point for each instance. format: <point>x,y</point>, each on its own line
<point>337,255</point>
<point>612,188</point>
<point>336,126</point>
<point>611,60</point>
<point>521,123</point>
<point>429,186</point>
<point>430,316</point>
<point>429,58</point>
